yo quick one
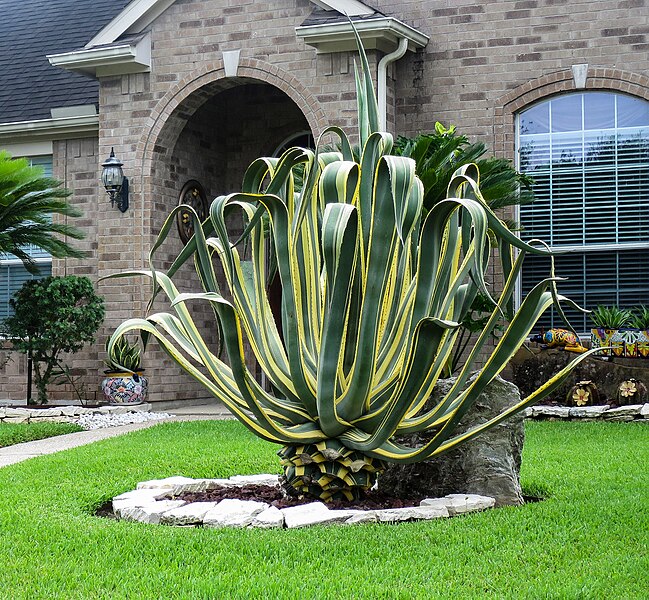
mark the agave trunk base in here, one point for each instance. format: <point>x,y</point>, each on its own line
<point>328,471</point>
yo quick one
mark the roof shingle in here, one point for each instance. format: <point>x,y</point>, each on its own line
<point>29,30</point>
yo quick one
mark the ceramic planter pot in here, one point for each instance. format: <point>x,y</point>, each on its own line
<point>125,388</point>
<point>629,343</point>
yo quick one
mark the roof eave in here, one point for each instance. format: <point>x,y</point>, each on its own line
<point>381,33</point>
<point>50,129</point>
<point>118,59</point>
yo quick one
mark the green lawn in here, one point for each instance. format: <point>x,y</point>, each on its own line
<point>15,433</point>
<point>588,539</point>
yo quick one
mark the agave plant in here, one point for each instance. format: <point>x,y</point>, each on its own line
<point>123,357</point>
<point>373,295</point>
<point>640,317</point>
<point>610,317</point>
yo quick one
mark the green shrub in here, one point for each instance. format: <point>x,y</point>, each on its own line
<point>51,316</point>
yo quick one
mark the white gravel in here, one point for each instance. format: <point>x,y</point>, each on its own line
<point>102,421</point>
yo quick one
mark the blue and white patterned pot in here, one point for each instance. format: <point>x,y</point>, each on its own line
<point>125,388</point>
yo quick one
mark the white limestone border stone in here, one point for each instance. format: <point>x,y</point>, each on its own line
<point>154,502</point>
<point>72,414</point>
<point>633,412</point>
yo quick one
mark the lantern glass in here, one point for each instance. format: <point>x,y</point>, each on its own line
<point>112,175</point>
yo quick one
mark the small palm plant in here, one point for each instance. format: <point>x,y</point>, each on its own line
<point>27,202</point>
<point>373,295</point>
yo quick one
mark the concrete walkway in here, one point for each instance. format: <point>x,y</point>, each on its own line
<point>19,452</point>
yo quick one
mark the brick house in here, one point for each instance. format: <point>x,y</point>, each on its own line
<point>188,92</point>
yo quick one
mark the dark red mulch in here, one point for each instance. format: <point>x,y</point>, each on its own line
<point>372,500</point>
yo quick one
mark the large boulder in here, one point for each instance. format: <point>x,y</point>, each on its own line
<point>488,465</point>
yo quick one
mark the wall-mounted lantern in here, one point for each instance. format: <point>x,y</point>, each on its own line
<point>114,181</point>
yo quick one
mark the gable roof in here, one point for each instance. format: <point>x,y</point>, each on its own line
<point>29,86</point>
<point>141,13</point>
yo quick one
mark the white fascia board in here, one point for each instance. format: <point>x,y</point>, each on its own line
<point>110,60</point>
<point>382,34</point>
<point>37,148</point>
<point>49,129</point>
<point>133,19</point>
<point>353,8</point>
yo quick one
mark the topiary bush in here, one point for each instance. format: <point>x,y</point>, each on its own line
<point>52,316</point>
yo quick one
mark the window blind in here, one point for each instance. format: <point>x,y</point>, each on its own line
<point>589,156</point>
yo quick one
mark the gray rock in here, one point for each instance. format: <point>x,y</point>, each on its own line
<point>395,515</point>
<point>16,420</point>
<point>315,513</point>
<point>270,518</point>
<point>264,479</point>
<point>557,412</point>
<point>187,514</point>
<point>200,485</point>
<point>168,483</point>
<point>488,465</point>
<point>459,504</point>
<point>17,412</point>
<point>233,513</point>
<point>114,410</point>
<point>623,411</point>
<point>149,513</point>
<point>70,411</point>
<point>136,498</point>
<point>45,412</point>
<point>644,411</point>
<point>587,412</point>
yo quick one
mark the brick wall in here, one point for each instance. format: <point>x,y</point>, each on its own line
<point>186,120</point>
<point>76,164</point>
<point>479,52</point>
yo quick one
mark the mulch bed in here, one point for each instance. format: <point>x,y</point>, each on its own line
<point>274,496</point>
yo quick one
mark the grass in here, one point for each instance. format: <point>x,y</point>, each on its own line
<point>588,539</point>
<point>16,433</point>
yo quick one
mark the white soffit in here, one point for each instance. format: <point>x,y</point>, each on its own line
<point>118,59</point>
<point>48,129</point>
<point>42,148</point>
<point>133,19</point>
<point>353,8</point>
<point>382,33</point>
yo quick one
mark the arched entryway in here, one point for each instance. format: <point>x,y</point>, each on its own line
<point>206,145</point>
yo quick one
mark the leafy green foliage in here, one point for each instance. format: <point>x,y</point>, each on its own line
<point>640,318</point>
<point>440,153</point>
<point>590,475</point>
<point>27,202</point>
<point>124,357</point>
<point>15,433</point>
<point>52,316</point>
<point>610,317</point>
